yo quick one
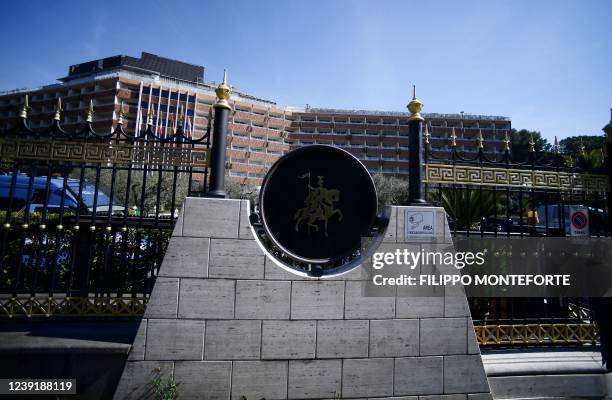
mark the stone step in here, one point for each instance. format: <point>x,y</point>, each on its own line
<point>592,386</point>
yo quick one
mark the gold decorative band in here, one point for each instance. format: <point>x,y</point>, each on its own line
<point>27,307</point>
<point>536,334</point>
<point>524,178</point>
<point>99,153</point>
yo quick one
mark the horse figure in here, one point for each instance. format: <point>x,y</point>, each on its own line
<point>319,207</point>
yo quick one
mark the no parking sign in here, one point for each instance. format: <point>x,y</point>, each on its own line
<point>579,221</point>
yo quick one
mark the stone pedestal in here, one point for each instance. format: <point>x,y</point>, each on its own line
<point>224,321</point>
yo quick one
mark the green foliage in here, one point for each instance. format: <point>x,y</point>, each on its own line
<point>571,145</point>
<point>519,143</point>
<point>237,190</point>
<point>467,207</point>
<point>165,391</point>
<point>391,191</point>
<point>592,160</point>
<point>135,191</point>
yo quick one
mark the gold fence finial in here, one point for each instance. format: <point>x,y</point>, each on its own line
<point>506,141</point>
<point>453,138</point>
<point>556,146</point>
<point>90,112</point>
<point>121,114</point>
<point>150,116</point>
<point>181,117</point>
<point>415,106</point>
<point>26,107</point>
<point>582,148</point>
<point>58,110</point>
<point>223,92</point>
<point>426,134</point>
<point>531,144</point>
<point>480,139</point>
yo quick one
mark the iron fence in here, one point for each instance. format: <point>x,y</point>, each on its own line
<point>495,195</point>
<point>87,215</point>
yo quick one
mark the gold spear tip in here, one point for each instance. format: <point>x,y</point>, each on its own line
<point>25,108</point>
<point>121,114</point>
<point>90,111</point>
<point>58,109</point>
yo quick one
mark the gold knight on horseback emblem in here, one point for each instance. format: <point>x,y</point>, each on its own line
<point>319,205</point>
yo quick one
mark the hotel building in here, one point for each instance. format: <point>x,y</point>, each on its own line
<point>260,131</point>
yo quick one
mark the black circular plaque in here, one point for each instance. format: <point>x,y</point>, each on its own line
<point>317,202</point>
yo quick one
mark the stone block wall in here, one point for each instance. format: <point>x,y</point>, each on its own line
<point>224,321</point>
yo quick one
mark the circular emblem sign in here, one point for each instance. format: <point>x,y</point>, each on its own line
<point>317,202</point>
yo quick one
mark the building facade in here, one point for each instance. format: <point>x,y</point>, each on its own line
<point>260,131</point>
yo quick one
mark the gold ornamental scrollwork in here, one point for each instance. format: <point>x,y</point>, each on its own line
<point>102,153</point>
<point>507,177</point>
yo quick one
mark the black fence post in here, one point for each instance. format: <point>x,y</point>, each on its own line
<point>219,141</point>
<point>415,153</point>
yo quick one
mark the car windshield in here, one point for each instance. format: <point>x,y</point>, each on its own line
<point>88,192</point>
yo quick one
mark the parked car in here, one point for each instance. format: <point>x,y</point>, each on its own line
<point>38,195</point>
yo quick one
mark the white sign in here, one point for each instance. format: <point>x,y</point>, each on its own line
<point>419,224</point>
<point>579,221</point>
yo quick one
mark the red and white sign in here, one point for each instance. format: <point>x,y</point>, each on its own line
<point>579,221</point>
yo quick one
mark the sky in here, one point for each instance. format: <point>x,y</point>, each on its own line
<point>545,64</point>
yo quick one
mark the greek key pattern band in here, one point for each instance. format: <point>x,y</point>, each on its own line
<point>524,178</point>
<point>99,153</point>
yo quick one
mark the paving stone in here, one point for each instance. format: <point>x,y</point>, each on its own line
<point>164,299</point>
<point>274,272</point>
<point>444,397</point>
<point>440,336</point>
<point>394,338</point>
<point>419,307</point>
<point>464,374</point>
<point>342,339</point>
<point>317,300</point>
<point>262,299</point>
<point>472,342</point>
<point>206,298</point>
<point>203,379</point>
<point>259,379</point>
<point>480,396</point>
<point>169,339</point>
<point>137,380</point>
<point>367,377</point>
<point>358,305</point>
<point>288,339</point>
<point>232,340</point>
<point>137,351</point>
<point>418,375</point>
<point>236,259</point>
<point>206,217</point>
<point>314,379</point>
<point>245,225</point>
<point>186,257</point>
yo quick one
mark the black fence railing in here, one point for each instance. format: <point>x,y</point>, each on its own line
<point>86,216</point>
<point>492,194</point>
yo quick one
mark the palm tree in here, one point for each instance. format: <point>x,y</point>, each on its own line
<point>467,206</point>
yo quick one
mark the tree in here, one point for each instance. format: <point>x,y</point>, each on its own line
<point>391,191</point>
<point>237,190</point>
<point>571,145</point>
<point>519,143</point>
